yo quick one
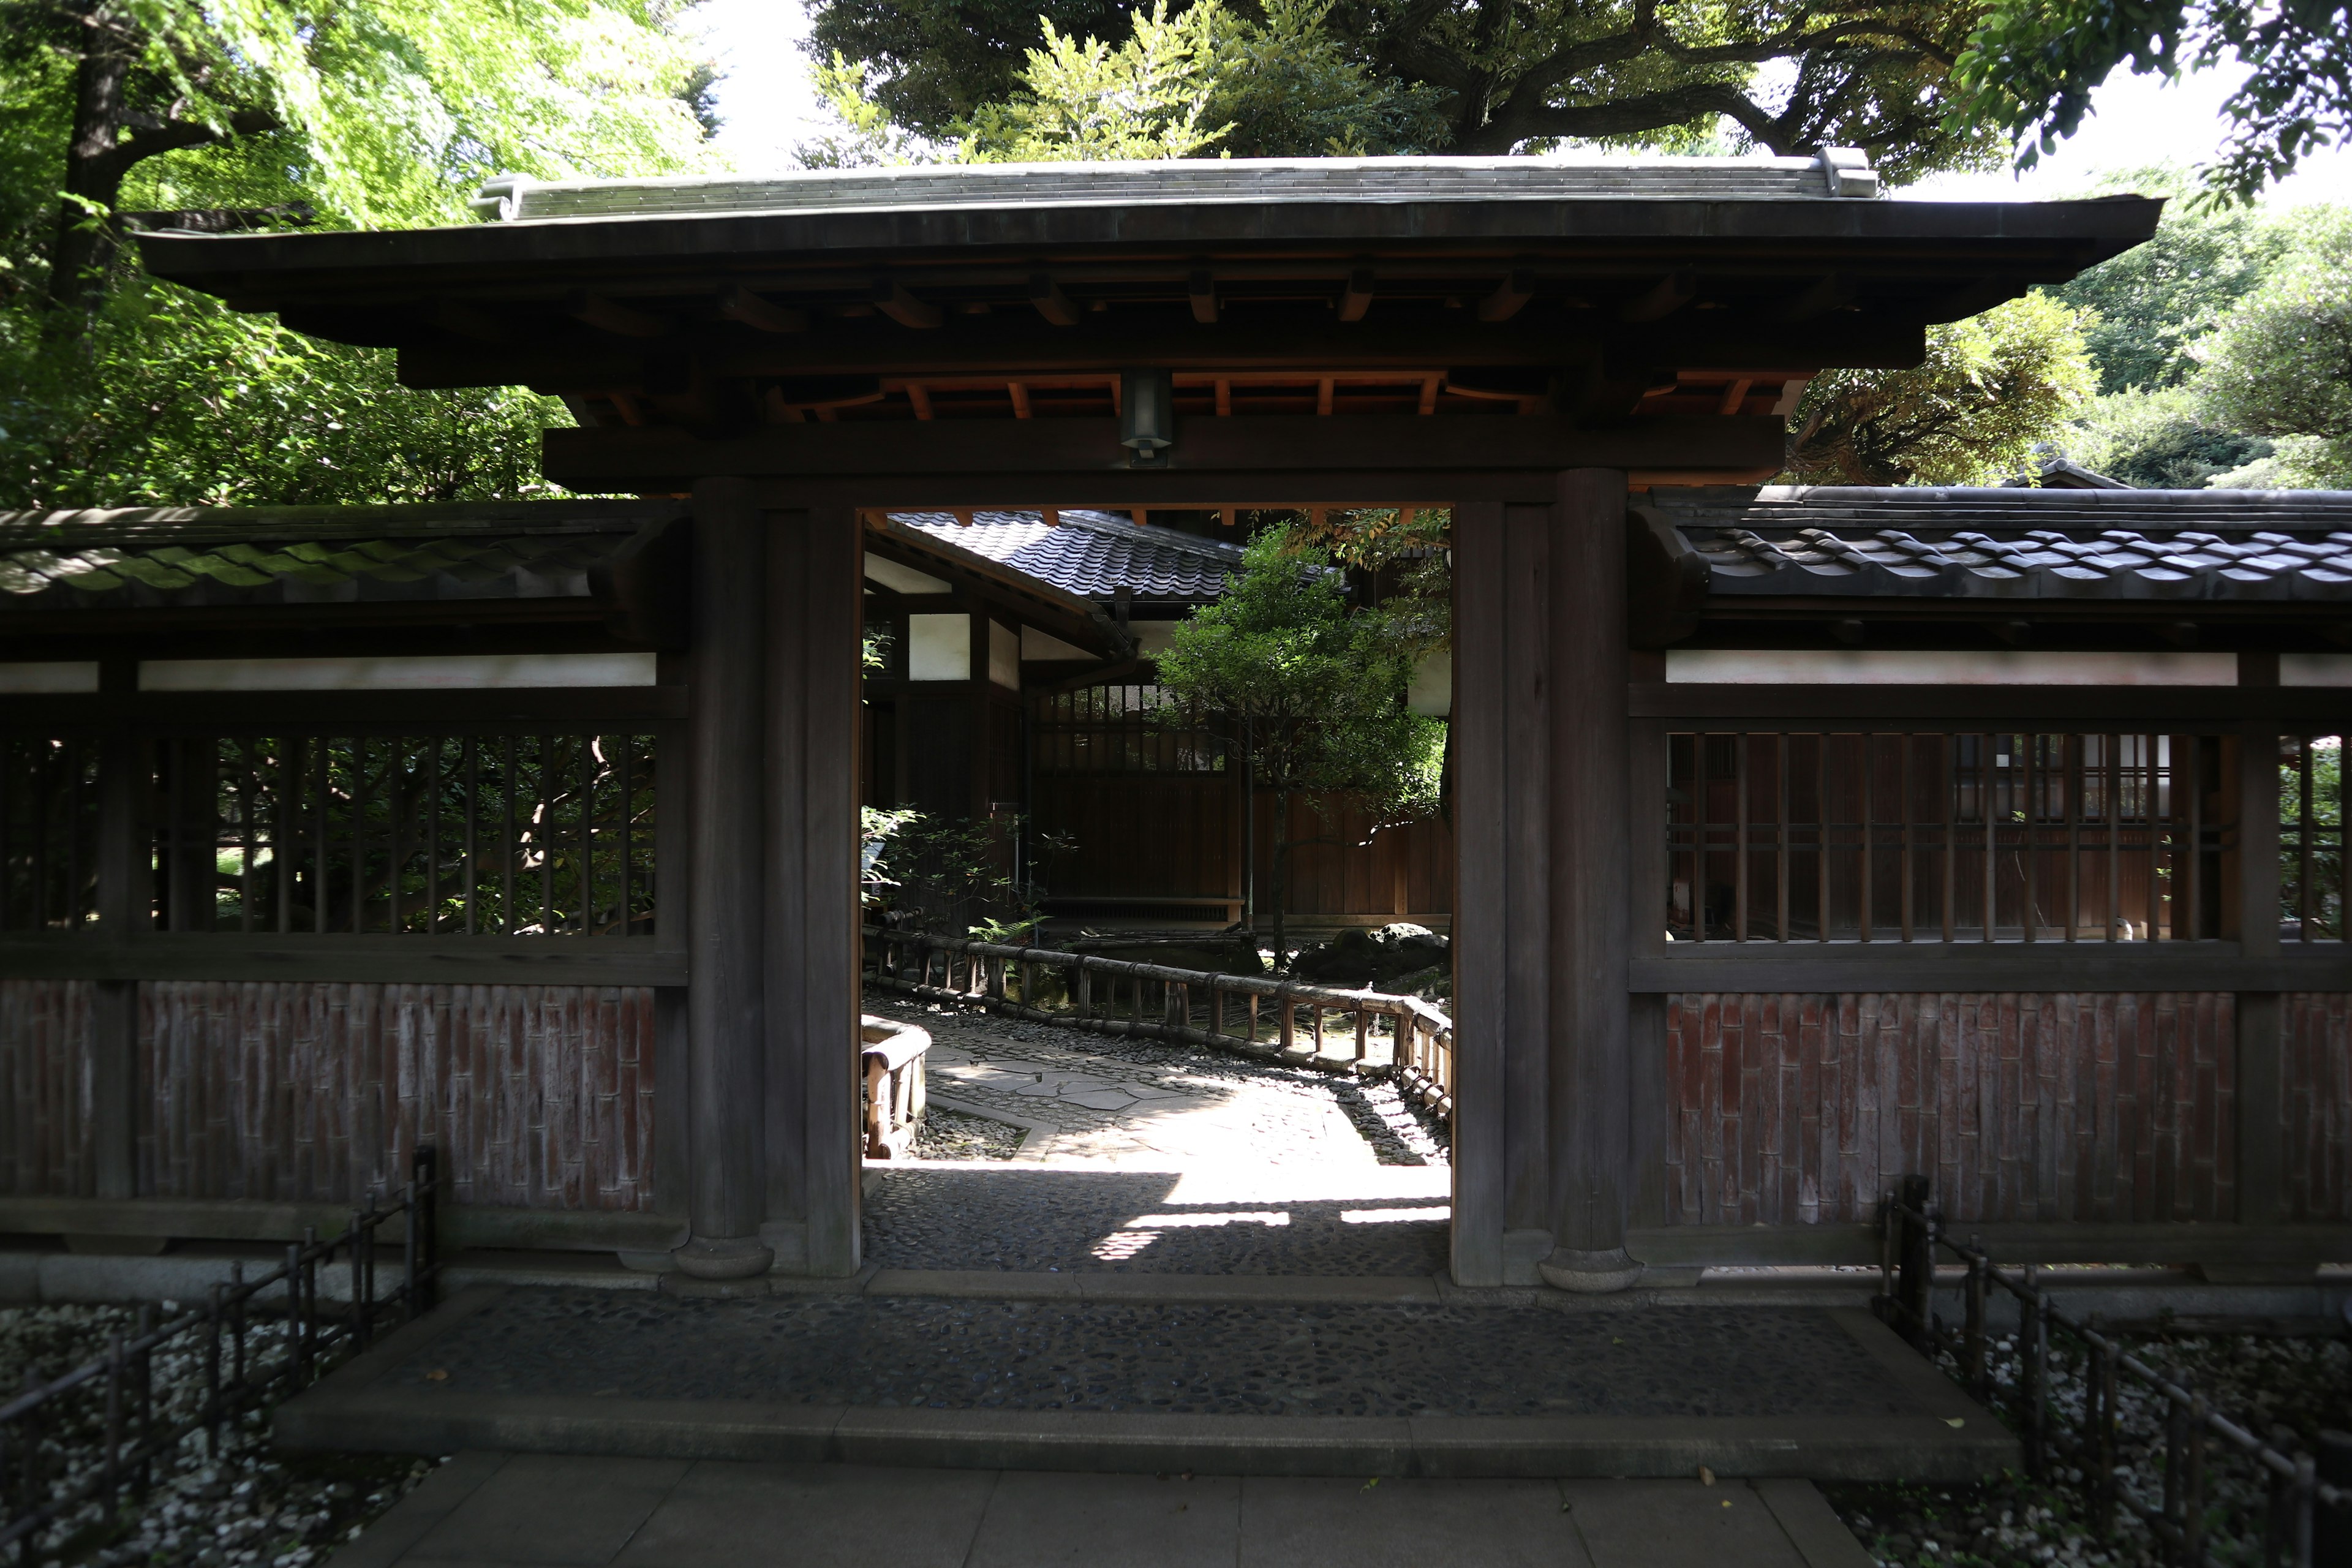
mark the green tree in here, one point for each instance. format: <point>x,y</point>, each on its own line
<point>2281,365</point>
<point>1991,389</point>
<point>1473,77</point>
<point>1312,692</point>
<point>125,114</point>
<point>2158,438</point>
<point>2031,65</point>
<point>1204,81</point>
<point>2150,303</point>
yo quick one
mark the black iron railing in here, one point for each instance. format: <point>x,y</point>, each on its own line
<point>42,1484</point>
<point>2307,1515</point>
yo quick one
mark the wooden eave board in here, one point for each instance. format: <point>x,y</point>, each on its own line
<point>500,301</point>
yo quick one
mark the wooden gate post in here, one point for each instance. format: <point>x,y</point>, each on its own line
<point>726,1004</point>
<point>1543,1082</point>
<point>814,588</point>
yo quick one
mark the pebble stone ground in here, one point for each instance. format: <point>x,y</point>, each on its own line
<point>1157,1358</point>
<point>1145,1157</point>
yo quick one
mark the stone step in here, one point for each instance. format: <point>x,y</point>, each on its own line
<point>1272,1389</point>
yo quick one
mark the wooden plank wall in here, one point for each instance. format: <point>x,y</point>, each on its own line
<point>1800,1109</point>
<point>45,1089</point>
<point>1402,873</point>
<point>538,1095</point>
<point>2315,1156</point>
<point>1140,836</point>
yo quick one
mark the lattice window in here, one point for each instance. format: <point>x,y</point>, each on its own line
<point>1926,838</point>
<point>2311,838</point>
<point>1119,730</point>
<point>493,834</point>
<point>48,833</point>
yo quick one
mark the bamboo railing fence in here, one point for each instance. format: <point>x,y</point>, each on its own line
<point>1267,1019</point>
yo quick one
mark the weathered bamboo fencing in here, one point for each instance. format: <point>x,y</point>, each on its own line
<point>2306,1509</point>
<point>1268,1019</point>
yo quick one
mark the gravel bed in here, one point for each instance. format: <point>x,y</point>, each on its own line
<point>1239,1360</point>
<point>248,1506</point>
<point>1040,1220</point>
<point>945,1135</point>
<point>2281,1388</point>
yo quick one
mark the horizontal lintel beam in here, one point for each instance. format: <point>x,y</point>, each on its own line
<point>625,458</point>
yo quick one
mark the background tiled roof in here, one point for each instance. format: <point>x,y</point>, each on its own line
<point>2019,544</point>
<point>1092,554</point>
<point>203,556</point>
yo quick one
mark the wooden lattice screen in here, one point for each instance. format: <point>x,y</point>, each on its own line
<point>474,835</point>
<point>1989,836</point>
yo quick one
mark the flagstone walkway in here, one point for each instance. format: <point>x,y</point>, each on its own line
<point>493,1511</point>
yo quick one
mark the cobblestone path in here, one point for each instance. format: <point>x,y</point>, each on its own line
<point>1095,1097</point>
<point>1249,1359</point>
<point>1142,1157</point>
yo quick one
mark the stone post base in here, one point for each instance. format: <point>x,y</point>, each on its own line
<point>1589,1273</point>
<point>723,1257</point>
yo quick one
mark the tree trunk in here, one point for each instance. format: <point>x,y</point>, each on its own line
<point>1281,878</point>
<point>86,241</point>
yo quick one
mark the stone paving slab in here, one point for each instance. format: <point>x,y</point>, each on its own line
<point>519,1511</point>
<point>1327,1389</point>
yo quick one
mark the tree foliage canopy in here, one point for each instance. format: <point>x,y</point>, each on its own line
<point>1992,388</point>
<point>2032,66</point>
<point>2157,299</point>
<point>1473,76</point>
<point>1313,690</point>
<point>1205,81</point>
<point>2281,365</point>
<point>122,114</point>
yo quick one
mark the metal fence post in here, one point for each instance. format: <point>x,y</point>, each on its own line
<point>2175,1434</point>
<point>2033,1329</point>
<point>353,1240</point>
<point>2328,1531</point>
<point>143,1373</point>
<point>2192,1519</point>
<point>112,1467</point>
<point>1973,1363</point>
<point>1915,1282</point>
<point>294,1317</point>
<point>2104,1431</point>
<point>213,1374</point>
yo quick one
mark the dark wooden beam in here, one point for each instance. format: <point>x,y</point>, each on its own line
<point>353,960</point>
<point>668,459</point>
<point>1662,299</point>
<point>1932,708</point>
<point>890,298</point>
<point>608,316</point>
<point>1052,304</point>
<point>1005,345</point>
<point>1201,291</point>
<point>739,304</point>
<point>1829,293</point>
<point>2043,966</point>
<point>1507,297</point>
<point>249,710</point>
